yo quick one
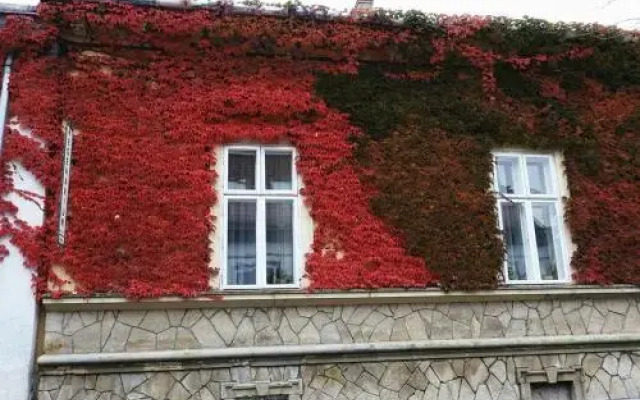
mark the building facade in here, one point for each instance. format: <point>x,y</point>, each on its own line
<point>268,203</point>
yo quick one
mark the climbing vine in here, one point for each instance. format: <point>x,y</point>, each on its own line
<point>394,125</point>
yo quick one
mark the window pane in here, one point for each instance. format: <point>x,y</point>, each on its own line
<point>278,171</point>
<point>539,173</point>
<point>512,217</point>
<point>279,241</point>
<point>546,228</point>
<point>549,391</point>
<point>242,170</point>
<point>241,242</point>
<point>508,175</point>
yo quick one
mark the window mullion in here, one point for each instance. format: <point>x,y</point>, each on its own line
<point>533,264</point>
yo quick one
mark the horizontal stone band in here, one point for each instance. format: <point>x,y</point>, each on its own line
<point>425,348</point>
<point>301,298</point>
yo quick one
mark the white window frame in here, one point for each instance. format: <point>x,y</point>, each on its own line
<point>260,195</point>
<point>525,198</point>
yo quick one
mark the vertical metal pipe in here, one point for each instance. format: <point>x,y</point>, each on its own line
<point>4,96</point>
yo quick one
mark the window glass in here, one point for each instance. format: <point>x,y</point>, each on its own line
<point>539,174</point>
<point>241,242</point>
<point>551,391</point>
<point>278,170</point>
<point>544,217</point>
<point>279,215</point>
<point>513,233</point>
<point>508,175</point>
<point>242,170</point>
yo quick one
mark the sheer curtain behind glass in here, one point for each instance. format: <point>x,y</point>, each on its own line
<point>241,242</point>
<point>279,242</point>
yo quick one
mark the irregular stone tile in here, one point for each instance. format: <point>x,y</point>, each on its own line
<point>192,382</point>
<point>296,323</point>
<point>245,334</point>
<point>613,323</point>
<point>329,334</point>
<point>131,381</point>
<point>591,364</point>
<point>56,343</point>
<point>382,332</point>
<point>509,393</point>
<point>117,339</point>
<point>320,320</point>
<point>140,340</point>
<point>287,335</point>
<point>401,310</point>
<point>475,372</point>
<point>53,322</point>
<point>432,377</point>
<point>260,319</point>
<point>632,321</point>
<point>399,331</point>
<point>268,336</point>
<point>375,369</point>
<point>73,325</point>
<point>461,331</point>
<point>595,391</point>
<point>492,327</point>
<point>406,392</point>
<point>517,328</point>
<point>499,370</point>
<point>415,327</point>
<point>443,370</point>
<point>332,388</point>
<point>87,339</point>
<point>417,380</point>
<point>604,379</point>
<point>166,340</point>
<point>441,326</point>
<point>88,317</point>
<point>191,317</point>
<point>395,376</point>
<point>157,386</point>
<point>483,393</point>
<point>431,393</point>
<point>205,334</point>
<point>309,335</point>
<point>596,322</point>
<point>619,306</point>
<point>624,367</point>
<point>368,383</point>
<point>534,324</point>
<point>175,316</point>
<point>131,317</point>
<point>610,364</point>
<point>155,321</point>
<point>359,314</point>
<point>617,390</point>
<point>495,387</point>
<point>205,394</point>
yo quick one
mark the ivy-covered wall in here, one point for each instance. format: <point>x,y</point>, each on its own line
<point>394,127</point>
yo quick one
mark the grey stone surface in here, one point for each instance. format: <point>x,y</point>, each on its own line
<point>82,332</point>
<point>489,378</point>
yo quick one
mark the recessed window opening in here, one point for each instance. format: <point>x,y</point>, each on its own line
<point>529,208</point>
<point>260,217</point>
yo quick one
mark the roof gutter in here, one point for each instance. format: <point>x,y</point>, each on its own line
<point>4,96</point>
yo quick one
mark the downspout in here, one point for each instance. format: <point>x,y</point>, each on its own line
<point>4,96</point>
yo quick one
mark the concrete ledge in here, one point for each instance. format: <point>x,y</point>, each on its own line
<point>326,298</point>
<point>427,348</point>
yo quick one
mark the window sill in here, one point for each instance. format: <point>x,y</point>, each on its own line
<point>302,298</point>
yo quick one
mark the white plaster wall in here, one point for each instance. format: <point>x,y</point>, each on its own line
<point>17,301</point>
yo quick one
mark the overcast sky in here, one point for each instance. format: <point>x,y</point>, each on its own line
<point>607,12</point>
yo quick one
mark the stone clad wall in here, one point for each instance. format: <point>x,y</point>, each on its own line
<point>131,331</point>
<point>606,376</point>
<point>436,371</point>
